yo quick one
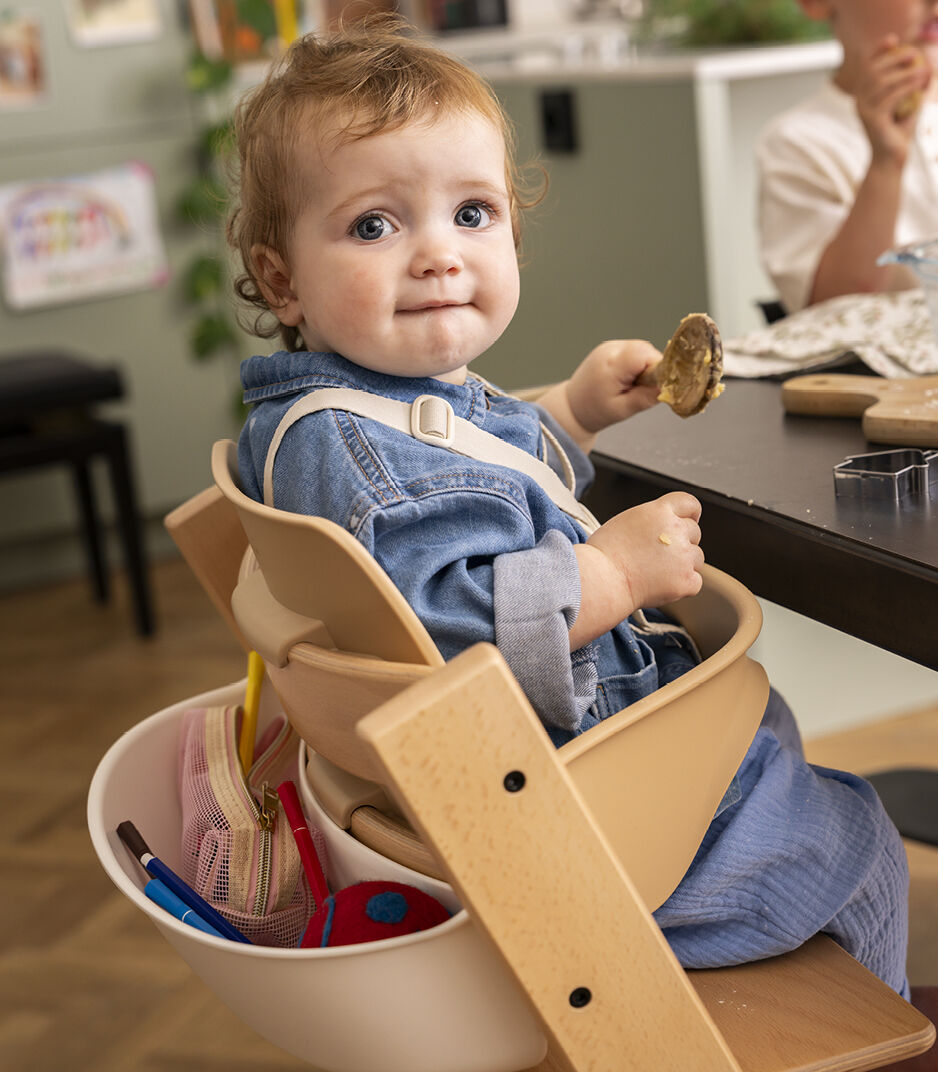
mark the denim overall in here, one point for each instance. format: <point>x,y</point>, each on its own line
<point>481,553</point>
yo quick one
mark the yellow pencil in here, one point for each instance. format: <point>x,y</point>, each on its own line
<point>287,28</point>
<point>252,699</point>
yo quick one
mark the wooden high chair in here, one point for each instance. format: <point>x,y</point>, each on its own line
<point>558,855</point>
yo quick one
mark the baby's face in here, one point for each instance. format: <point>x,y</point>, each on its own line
<point>403,259</point>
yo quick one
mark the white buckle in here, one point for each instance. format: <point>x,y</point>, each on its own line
<point>432,420</point>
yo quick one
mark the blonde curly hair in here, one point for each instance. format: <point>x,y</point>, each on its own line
<point>373,77</point>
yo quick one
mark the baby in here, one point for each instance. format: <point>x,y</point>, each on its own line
<point>853,171</point>
<point>378,219</point>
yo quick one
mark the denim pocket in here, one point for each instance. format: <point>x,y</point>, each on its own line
<point>673,654</point>
<point>620,690</point>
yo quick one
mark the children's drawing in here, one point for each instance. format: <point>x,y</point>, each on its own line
<point>87,236</point>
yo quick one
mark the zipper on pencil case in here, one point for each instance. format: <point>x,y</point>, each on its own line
<point>265,812</point>
<point>266,818</point>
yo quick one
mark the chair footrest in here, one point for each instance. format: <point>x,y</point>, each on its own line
<point>815,1008</point>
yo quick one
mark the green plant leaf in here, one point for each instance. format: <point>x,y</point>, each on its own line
<point>738,22</point>
<point>749,21</point>
<point>203,278</point>
<point>217,141</point>
<point>206,76</point>
<point>211,333</point>
<point>203,201</point>
<point>260,16</point>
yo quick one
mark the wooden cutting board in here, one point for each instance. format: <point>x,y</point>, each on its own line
<point>901,412</point>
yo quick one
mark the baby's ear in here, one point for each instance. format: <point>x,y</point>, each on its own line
<point>276,282</point>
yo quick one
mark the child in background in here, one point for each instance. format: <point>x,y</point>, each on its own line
<point>378,219</point>
<point>853,171</point>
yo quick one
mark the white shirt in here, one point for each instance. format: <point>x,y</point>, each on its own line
<point>811,161</point>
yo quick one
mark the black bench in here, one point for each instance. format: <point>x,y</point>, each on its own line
<point>47,402</point>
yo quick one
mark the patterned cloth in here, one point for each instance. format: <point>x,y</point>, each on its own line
<point>892,333</point>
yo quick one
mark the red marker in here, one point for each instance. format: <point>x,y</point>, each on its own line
<point>309,858</point>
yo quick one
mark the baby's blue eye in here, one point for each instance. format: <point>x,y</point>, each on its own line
<point>472,216</point>
<point>371,227</point>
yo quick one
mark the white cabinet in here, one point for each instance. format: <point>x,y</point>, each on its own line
<point>735,97</point>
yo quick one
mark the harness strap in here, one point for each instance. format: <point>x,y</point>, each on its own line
<point>432,420</point>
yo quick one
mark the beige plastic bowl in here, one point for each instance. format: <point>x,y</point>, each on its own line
<point>437,1001</point>
<point>441,1000</point>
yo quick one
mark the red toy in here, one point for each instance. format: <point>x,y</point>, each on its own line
<point>370,911</point>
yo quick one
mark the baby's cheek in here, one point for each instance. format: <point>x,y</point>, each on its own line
<point>500,282</point>
<point>355,303</point>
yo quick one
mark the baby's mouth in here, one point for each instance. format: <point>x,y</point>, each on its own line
<point>432,306</point>
<point>929,34</point>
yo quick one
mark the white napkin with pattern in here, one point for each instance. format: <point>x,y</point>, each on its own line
<point>892,333</point>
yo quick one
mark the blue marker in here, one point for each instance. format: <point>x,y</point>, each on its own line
<point>162,895</point>
<point>130,836</point>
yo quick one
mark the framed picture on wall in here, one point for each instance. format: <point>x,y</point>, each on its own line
<point>112,22</point>
<point>80,237</point>
<point>22,59</point>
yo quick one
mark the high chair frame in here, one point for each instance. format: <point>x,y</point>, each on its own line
<point>522,830</point>
<point>329,622</point>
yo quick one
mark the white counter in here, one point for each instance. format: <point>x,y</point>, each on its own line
<point>607,52</point>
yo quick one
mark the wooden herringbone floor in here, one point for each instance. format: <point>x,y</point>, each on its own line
<point>86,984</point>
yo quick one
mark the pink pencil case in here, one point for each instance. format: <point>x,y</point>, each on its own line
<point>237,847</point>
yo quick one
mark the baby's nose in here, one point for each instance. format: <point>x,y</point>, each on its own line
<point>436,253</point>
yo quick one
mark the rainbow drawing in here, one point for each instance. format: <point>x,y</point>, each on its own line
<point>78,238</point>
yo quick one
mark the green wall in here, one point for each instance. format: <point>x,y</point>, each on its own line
<point>104,107</point>
<point>616,249</point>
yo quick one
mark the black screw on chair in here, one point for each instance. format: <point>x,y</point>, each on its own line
<point>46,418</point>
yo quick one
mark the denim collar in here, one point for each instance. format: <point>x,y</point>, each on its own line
<point>283,374</point>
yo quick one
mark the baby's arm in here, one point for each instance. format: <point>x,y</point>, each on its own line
<point>603,390</point>
<point>892,76</point>
<point>644,557</point>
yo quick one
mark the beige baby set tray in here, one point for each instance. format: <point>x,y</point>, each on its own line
<point>441,776</point>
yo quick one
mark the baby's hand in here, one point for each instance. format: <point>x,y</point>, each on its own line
<point>655,549</point>
<point>888,96</point>
<point>603,390</point>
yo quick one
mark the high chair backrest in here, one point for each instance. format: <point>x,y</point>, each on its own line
<point>322,612</point>
<point>319,571</point>
<point>207,531</point>
<point>336,636</point>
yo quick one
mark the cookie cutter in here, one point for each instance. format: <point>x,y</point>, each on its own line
<point>892,476</point>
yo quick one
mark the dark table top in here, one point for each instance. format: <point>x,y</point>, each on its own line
<point>771,517</point>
